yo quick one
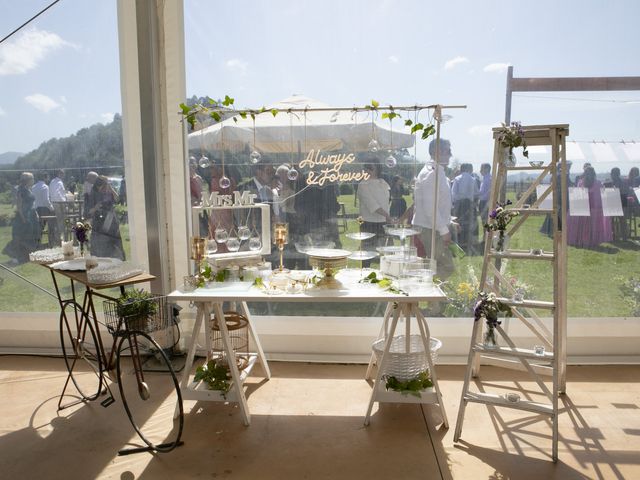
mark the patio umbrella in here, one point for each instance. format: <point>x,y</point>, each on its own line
<point>326,130</point>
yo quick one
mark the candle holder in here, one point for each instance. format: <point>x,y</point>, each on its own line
<point>198,245</point>
<point>280,239</point>
<point>360,236</point>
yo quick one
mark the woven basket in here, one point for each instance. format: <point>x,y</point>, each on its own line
<point>402,365</point>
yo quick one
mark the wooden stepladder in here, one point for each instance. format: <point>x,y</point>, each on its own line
<point>550,333</point>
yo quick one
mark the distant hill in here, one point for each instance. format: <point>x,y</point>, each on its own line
<point>91,147</point>
<point>9,157</point>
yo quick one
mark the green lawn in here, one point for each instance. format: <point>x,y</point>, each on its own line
<point>17,295</point>
<point>594,276</point>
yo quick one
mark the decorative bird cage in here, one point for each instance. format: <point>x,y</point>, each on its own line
<point>237,326</point>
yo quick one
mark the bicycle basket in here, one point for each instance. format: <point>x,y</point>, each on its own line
<point>402,364</point>
<point>148,315</point>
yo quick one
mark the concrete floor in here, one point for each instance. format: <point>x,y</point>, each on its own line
<point>307,423</point>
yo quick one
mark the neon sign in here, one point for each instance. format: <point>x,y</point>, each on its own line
<point>330,168</point>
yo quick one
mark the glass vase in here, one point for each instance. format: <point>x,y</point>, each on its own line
<point>500,242</point>
<point>510,158</point>
<point>490,338</point>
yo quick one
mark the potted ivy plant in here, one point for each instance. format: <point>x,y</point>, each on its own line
<point>136,307</point>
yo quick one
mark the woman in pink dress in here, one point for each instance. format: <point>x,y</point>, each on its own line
<point>595,229</point>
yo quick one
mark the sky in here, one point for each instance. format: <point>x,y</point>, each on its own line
<point>61,73</point>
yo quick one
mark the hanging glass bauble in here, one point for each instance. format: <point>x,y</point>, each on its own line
<point>255,243</point>
<point>233,244</point>
<point>373,145</point>
<point>292,174</point>
<point>212,247</point>
<point>255,157</point>
<point>204,162</point>
<point>221,235</point>
<point>224,182</point>
<point>243,232</point>
<point>390,161</point>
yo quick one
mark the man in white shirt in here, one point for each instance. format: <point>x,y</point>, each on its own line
<point>43,205</point>
<point>424,197</point>
<point>57,194</point>
<point>464,193</point>
<point>373,199</point>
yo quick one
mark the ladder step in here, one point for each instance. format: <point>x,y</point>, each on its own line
<point>528,167</point>
<point>522,255</point>
<point>528,303</point>
<point>533,211</point>
<point>512,352</point>
<point>497,400</point>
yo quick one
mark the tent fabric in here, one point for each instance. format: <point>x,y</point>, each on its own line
<point>299,131</point>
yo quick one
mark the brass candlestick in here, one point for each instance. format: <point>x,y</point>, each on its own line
<point>281,238</point>
<point>198,251</point>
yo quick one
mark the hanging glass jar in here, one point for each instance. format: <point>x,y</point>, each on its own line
<point>500,241</point>
<point>490,337</point>
<point>510,158</point>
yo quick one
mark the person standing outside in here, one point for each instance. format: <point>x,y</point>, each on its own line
<point>106,240</point>
<point>424,197</point>
<point>373,200</point>
<point>262,184</point>
<point>25,232</point>
<point>58,196</point>
<point>464,193</point>
<point>485,191</point>
<point>43,205</point>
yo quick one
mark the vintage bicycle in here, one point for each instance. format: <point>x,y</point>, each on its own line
<point>90,366</point>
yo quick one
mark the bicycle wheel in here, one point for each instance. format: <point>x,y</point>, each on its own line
<point>148,397</point>
<point>81,353</point>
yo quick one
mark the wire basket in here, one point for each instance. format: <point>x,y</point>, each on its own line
<point>158,316</point>
<point>402,365</point>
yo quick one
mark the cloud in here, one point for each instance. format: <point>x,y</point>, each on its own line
<point>496,67</point>
<point>455,61</point>
<point>394,59</point>
<point>28,50</point>
<point>107,117</point>
<point>41,102</point>
<point>237,65</point>
<point>481,130</point>
<point>2,112</point>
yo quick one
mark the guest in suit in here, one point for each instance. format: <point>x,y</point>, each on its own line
<point>263,184</point>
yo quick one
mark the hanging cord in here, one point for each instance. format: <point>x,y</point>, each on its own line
<point>291,140</point>
<point>253,119</point>
<point>30,20</point>
<point>305,130</point>
<point>415,146</point>
<point>222,148</point>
